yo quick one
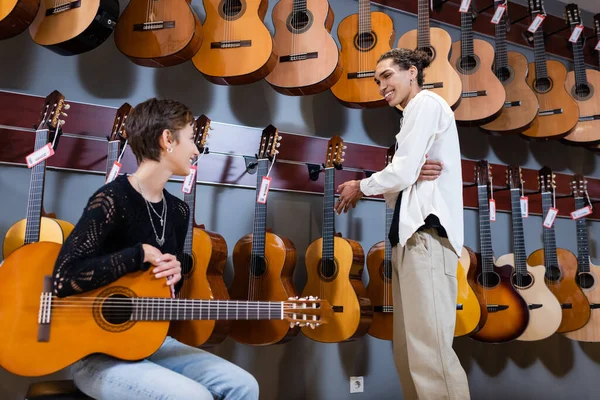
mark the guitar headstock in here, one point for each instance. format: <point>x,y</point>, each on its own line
<point>54,104</point>
<point>335,152</point>
<point>269,143</point>
<point>579,186</point>
<point>535,7</point>
<point>597,25</point>
<point>572,15</point>
<point>547,180</point>
<point>514,177</point>
<point>483,173</point>
<point>307,311</point>
<point>118,130</point>
<point>201,127</point>
<point>389,155</point>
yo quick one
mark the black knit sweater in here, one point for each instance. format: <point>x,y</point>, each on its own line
<point>107,241</point>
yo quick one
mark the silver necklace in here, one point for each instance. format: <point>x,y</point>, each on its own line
<point>162,216</point>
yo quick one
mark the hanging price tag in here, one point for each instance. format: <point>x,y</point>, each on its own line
<point>492,210</point>
<point>39,155</point>
<point>498,14</point>
<point>576,33</point>
<point>114,171</point>
<point>524,206</point>
<point>582,212</point>
<point>264,190</point>
<point>464,6</point>
<point>536,23</point>
<point>189,180</point>
<point>550,217</point>
<point>597,46</point>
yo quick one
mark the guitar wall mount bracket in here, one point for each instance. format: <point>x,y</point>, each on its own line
<point>251,164</point>
<point>314,170</point>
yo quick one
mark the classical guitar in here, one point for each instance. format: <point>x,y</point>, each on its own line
<point>334,267</point>
<point>363,38</point>
<point>439,77</point>
<point>545,313</point>
<point>39,226</point>
<point>74,27</point>
<point>561,264</point>
<point>508,313</point>
<point>379,265</point>
<point>587,273</point>
<point>558,112</point>
<point>483,95</point>
<point>521,105</point>
<point>471,310</point>
<point>263,262</point>
<point>16,16</point>
<point>203,264</point>
<point>308,59</point>
<point>159,33</point>
<point>117,140</point>
<point>582,83</point>
<point>128,319</point>
<point>237,47</point>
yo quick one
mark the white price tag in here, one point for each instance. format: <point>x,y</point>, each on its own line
<point>582,212</point>
<point>498,14</point>
<point>464,6</point>
<point>189,180</point>
<point>524,206</point>
<point>39,155</point>
<point>597,46</point>
<point>576,33</point>
<point>492,210</point>
<point>550,217</point>
<point>264,190</point>
<point>536,23</point>
<point>114,171</point>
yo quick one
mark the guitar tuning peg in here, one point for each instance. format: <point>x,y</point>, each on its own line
<point>343,153</point>
<point>67,106</point>
<point>64,114</point>
<point>342,160</point>
<point>278,144</point>
<point>210,127</point>
<point>344,147</point>
<point>61,122</point>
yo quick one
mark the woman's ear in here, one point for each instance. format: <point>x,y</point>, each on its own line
<point>166,139</point>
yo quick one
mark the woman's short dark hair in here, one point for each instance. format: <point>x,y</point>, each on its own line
<point>405,58</point>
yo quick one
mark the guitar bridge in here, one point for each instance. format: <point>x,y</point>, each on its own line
<point>433,85</point>
<point>510,104</point>
<point>474,93</point>
<point>383,309</point>
<point>535,306</point>
<point>361,74</point>
<point>63,7</point>
<point>496,307</point>
<point>231,44</point>
<point>588,118</point>
<point>299,57</point>
<point>546,113</point>
<point>45,310</point>
<point>459,307</point>
<point>154,26</point>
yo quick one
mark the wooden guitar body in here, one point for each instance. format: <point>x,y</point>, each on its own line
<point>16,16</point>
<point>379,291</point>
<point>471,312</point>
<point>440,72</point>
<point>345,292</point>
<point>521,105</point>
<point>590,332</point>
<point>51,230</point>
<point>71,31</point>
<point>317,64</point>
<point>483,95</point>
<point>587,130</point>
<point>170,36</point>
<point>356,91</point>
<point>275,284</point>
<point>558,112</point>
<point>508,313</point>
<point>204,281</point>
<point>242,36</point>
<point>562,283</point>
<point>545,313</point>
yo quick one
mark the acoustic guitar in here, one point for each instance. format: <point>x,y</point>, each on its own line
<point>483,95</point>
<point>521,105</point>
<point>587,273</point>
<point>561,264</point>
<point>202,267</point>
<point>16,16</point>
<point>558,112</point>
<point>237,48</point>
<point>379,265</point>
<point>334,267</point>
<point>596,147</point>
<point>508,313</point>
<point>545,313</point>
<point>263,261</point>
<point>439,77</point>
<point>363,38</point>
<point>471,310</point>
<point>159,33</point>
<point>39,226</point>
<point>127,319</point>
<point>582,83</point>
<point>70,28</point>
<point>308,59</point>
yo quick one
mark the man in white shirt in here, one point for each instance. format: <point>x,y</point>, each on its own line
<point>426,232</point>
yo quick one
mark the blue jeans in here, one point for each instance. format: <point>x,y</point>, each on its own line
<point>174,372</point>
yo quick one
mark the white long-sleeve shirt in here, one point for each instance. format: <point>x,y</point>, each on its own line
<point>428,128</point>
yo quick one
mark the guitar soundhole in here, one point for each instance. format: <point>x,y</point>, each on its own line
<point>328,270</point>
<point>553,273</point>
<point>299,21</point>
<point>430,51</point>
<point>117,309</point>
<point>582,92</point>
<point>488,279</point>
<point>504,74</point>
<point>468,64</point>
<point>258,266</point>
<point>585,280</point>
<point>231,10</point>
<point>187,264</point>
<point>543,85</point>
<point>385,271</point>
<point>365,41</point>
<point>522,281</point>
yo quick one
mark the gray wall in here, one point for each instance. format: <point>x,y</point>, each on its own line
<point>555,368</point>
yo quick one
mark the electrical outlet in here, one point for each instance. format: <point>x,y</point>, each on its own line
<point>356,384</point>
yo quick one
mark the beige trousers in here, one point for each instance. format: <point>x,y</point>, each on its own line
<point>424,290</point>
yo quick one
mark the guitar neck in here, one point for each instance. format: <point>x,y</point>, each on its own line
<point>517,231</point>
<point>539,50</point>
<point>114,147</point>
<point>466,34</point>
<point>364,16</point>
<point>583,254</point>
<point>190,200</point>
<point>389,215</point>
<point>329,214</point>
<point>485,236</point>
<point>260,213</point>
<point>35,199</point>
<point>501,52</point>
<point>299,5</point>
<point>423,39</point>
<point>548,235</point>
<point>579,68</point>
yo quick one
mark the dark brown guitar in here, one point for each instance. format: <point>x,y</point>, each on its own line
<point>16,16</point>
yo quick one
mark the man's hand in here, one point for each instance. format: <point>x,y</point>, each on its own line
<point>349,195</point>
<point>431,170</point>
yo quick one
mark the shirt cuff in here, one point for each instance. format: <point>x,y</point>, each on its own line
<point>364,186</point>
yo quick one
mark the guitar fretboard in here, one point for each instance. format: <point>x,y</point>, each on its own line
<point>423,39</point>
<point>364,16</point>
<point>548,235</point>
<point>299,5</point>
<point>466,34</point>
<point>260,215</point>
<point>539,50</point>
<point>501,52</point>
<point>387,258</point>
<point>485,236</point>
<point>36,191</point>
<point>583,253</point>
<point>190,199</point>
<point>517,231</point>
<point>579,68</point>
<point>328,214</point>
<point>113,154</point>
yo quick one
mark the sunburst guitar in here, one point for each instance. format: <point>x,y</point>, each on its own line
<point>471,311</point>
<point>16,16</point>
